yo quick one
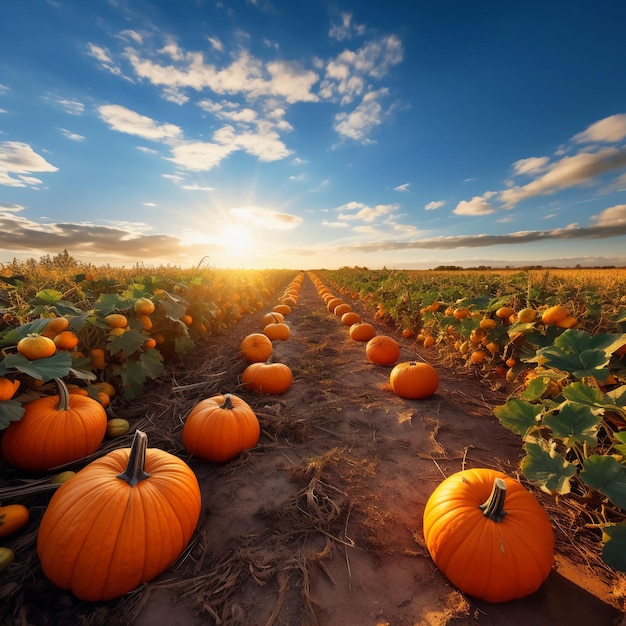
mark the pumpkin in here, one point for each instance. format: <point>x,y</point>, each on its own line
<point>283,309</point>
<point>7,556</point>
<point>382,350</point>
<point>116,320</point>
<point>54,430</point>
<point>504,312</point>
<point>414,380</point>
<point>119,522</point>
<point>277,331</point>
<point>554,314</point>
<point>349,318</point>
<point>117,427</point>
<point>144,306</point>
<point>8,388</point>
<point>332,303</point>
<point>66,340</point>
<point>35,347</point>
<point>272,318</point>
<point>362,331</point>
<point>488,535</point>
<point>221,427</point>
<point>256,347</point>
<point>267,378</point>
<point>57,325</point>
<point>342,309</point>
<point>12,518</point>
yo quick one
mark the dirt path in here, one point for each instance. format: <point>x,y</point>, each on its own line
<point>321,522</point>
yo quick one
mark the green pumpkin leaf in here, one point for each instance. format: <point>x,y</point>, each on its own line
<point>111,303</point>
<point>10,411</point>
<point>48,296</point>
<point>152,362</point>
<point>56,366</point>
<point>127,343</point>
<point>547,468</point>
<point>580,354</point>
<point>614,546</point>
<point>518,416</point>
<point>574,424</point>
<point>11,337</point>
<point>606,475</point>
<point>173,309</point>
<point>621,437</point>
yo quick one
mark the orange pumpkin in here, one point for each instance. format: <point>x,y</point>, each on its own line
<point>342,309</point>
<point>554,314</point>
<point>382,350</point>
<point>414,380</point>
<point>221,427</point>
<point>272,318</point>
<point>362,331</point>
<point>54,430</point>
<point>349,318</point>
<point>12,518</point>
<point>35,347</point>
<point>256,347</point>
<point>8,388</point>
<point>267,378</point>
<point>119,522</point>
<point>277,331</point>
<point>488,535</point>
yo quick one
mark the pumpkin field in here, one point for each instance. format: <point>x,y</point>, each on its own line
<point>350,447</point>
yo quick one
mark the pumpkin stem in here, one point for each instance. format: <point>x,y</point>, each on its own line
<point>134,472</point>
<point>228,402</point>
<point>493,508</point>
<point>64,395</point>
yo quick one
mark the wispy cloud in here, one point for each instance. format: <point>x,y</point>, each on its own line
<point>403,187</point>
<point>21,160</point>
<point>435,204</point>
<point>68,134</point>
<point>266,218</point>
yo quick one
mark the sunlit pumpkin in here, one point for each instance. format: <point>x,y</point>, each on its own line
<point>554,314</point>
<point>362,331</point>
<point>54,430</point>
<point>277,331</point>
<point>267,378</point>
<point>414,380</point>
<point>488,535</point>
<point>256,347</point>
<point>349,318</point>
<point>34,347</point>
<point>119,522</point>
<point>272,318</point>
<point>382,350</point>
<point>221,427</point>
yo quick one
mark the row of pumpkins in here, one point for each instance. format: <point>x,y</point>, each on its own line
<point>133,509</point>
<point>125,517</point>
<point>488,551</point>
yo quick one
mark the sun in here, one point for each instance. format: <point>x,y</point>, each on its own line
<point>237,239</point>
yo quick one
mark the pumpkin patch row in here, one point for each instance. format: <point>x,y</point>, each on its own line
<point>485,532</point>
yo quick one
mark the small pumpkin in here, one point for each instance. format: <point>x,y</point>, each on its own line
<point>349,318</point>
<point>382,350</point>
<point>116,320</point>
<point>35,347</point>
<point>488,535</point>
<point>278,331</point>
<point>414,380</point>
<point>283,309</point>
<point>342,309</point>
<point>7,556</point>
<point>362,331</point>
<point>272,318</point>
<point>8,388</point>
<point>119,522</point>
<point>54,430</point>
<point>12,518</point>
<point>221,427</point>
<point>267,378</point>
<point>117,427</point>
<point>144,306</point>
<point>554,314</point>
<point>256,347</point>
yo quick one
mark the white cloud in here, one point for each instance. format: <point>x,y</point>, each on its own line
<point>435,204</point>
<point>266,218</point>
<point>198,156</point>
<point>70,135</point>
<point>345,29</point>
<point>403,187</point>
<point>478,205</point>
<point>20,159</point>
<point>103,57</point>
<point>216,44</point>
<point>73,107</point>
<point>358,124</point>
<point>359,211</point>
<point>532,165</point>
<point>568,172</point>
<point>613,216</point>
<point>608,130</point>
<point>126,121</point>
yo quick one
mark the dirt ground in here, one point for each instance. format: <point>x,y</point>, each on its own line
<point>320,523</point>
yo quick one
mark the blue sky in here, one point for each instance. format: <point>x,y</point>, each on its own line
<point>314,134</point>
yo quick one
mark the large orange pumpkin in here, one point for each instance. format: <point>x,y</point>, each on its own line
<point>488,535</point>
<point>256,347</point>
<point>221,427</point>
<point>267,378</point>
<point>382,350</point>
<point>54,430</point>
<point>119,522</point>
<point>414,380</point>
